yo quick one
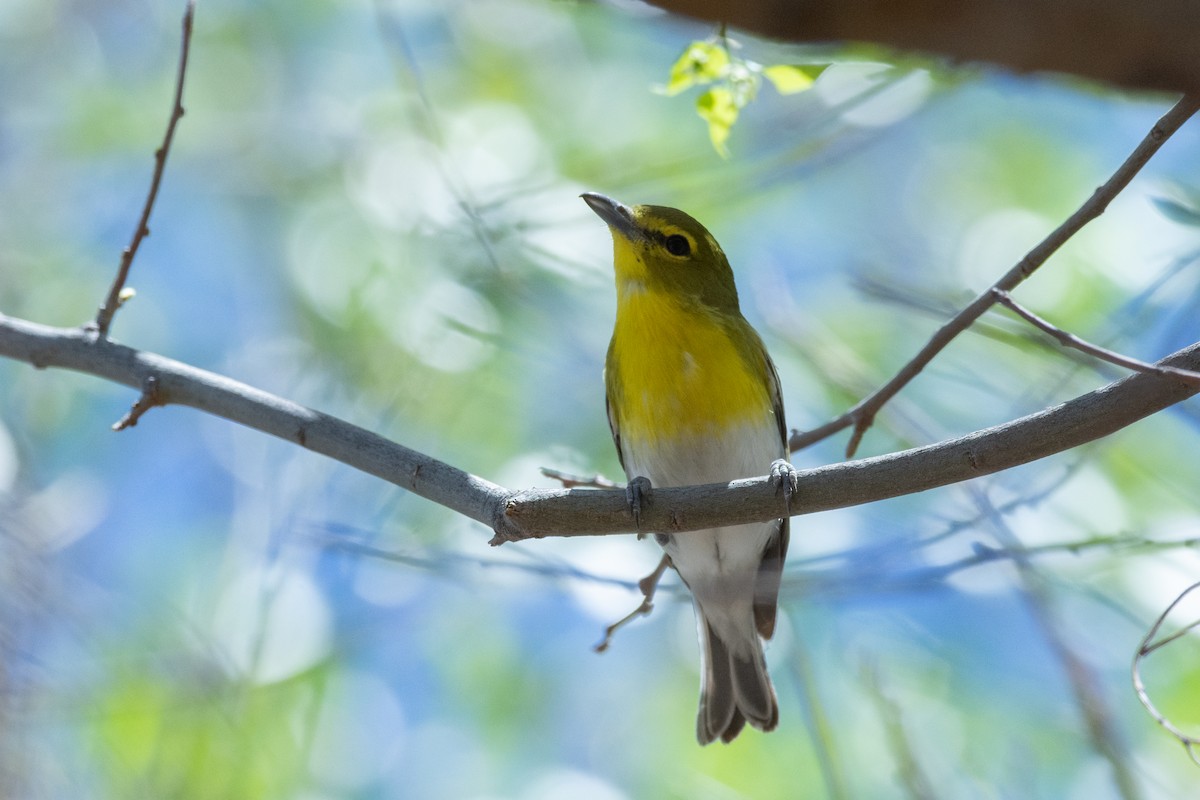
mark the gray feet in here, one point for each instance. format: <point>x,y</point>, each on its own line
<point>784,476</point>
<point>636,493</point>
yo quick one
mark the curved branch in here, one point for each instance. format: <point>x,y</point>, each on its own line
<point>176,383</point>
<point>1084,419</point>
<point>1126,44</point>
<point>862,415</point>
<point>1150,643</point>
<point>1067,339</point>
<point>537,513</point>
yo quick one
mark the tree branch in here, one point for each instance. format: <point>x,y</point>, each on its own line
<point>176,383</point>
<point>536,513</point>
<point>1067,339</point>
<point>1115,41</point>
<point>1148,645</point>
<point>147,400</point>
<point>647,586</point>
<point>862,415</point>
<point>118,294</point>
<point>1089,700</point>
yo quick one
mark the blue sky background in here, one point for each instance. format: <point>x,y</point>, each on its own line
<point>372,209</point>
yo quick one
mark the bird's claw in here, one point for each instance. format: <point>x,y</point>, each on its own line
<point>636,492</point>
<point>786,480</point>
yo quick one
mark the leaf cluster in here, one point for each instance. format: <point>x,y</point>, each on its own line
<point>733,83</point>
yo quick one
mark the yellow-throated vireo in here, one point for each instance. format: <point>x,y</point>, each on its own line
<point>693,398</point>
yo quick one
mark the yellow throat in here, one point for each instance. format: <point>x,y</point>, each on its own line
<point>683,362</point>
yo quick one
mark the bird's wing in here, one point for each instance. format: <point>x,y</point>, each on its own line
<point>612,402</point>
<point>770,570</point>
<point>614,426</point>
<point>776,400</point>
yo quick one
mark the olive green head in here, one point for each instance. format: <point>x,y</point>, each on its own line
<point>664,249</point>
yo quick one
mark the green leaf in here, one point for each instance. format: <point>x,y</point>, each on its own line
<point>718,109</point>
<point>792,78</point>
<point>701,63</point>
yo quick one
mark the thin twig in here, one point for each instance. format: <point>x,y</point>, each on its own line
<point>862,415</point>
<point>570,481</point>
<point>1104,354</point>
<point>1145,648</point>
<point>816,718</point>
<point>1089,699</point>
<point>405,58</point>
<point>908,767</point>
<point>440,561</point>
<point>802,580</point>
<point>148,399</point>
<point>117,294</point>
<point>648,586</point>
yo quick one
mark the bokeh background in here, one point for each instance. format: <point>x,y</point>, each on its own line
<point>372,209</point>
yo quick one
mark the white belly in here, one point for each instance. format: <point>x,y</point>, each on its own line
<point>718,564</point>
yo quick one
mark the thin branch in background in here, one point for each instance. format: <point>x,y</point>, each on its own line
<point>394,34</point>
<point>33,593</point>
<point>443,562</point>
<point>815,717</point>
<point>570,481</point>
<point>1028,499</point>
<point>883,578</point>
<point>1104,354</point>
<point>810,583</point>
<point>1085,686</point>
<point>881,554</point>
<point>916,784</point>
<point>118,294</point>
<point>862,415</point>
<point>648,586</point>
<point>1147,646</point>
<point>909,299</point>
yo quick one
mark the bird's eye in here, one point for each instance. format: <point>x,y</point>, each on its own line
<point>678,245</point>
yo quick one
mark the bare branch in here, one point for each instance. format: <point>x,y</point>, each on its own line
<point>1053,430</point>
<point>816,717</point>
<point>1148,645</point>
<point>147,400</point>
<point>405,62</point>
<point>908,767</point>
<point>1096,715</point>
<point>648,586</point>
<point>181,384</point>
<point>862,415</point>
<point>570,481</point>
<point>118,294</point>
<point>1102,353</point>
<point>856,568</point>
<point>844,581</point>
<point>537,513</point>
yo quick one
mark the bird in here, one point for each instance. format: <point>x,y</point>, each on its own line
<point>692,398</point>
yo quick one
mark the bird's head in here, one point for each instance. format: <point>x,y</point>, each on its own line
<point>663,249</point>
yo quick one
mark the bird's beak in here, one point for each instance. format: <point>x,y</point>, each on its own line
<point>618,216</point>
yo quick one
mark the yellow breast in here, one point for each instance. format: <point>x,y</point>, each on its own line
<point>675,372</point>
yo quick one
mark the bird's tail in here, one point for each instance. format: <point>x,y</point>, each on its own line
<point>735,688</point>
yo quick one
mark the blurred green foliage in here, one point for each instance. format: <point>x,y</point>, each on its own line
<point>371,209</point>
